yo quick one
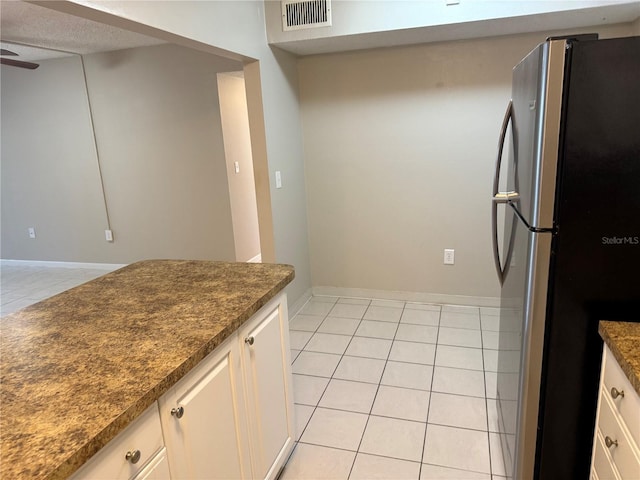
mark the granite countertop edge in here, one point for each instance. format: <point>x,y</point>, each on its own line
<point>98,442</point>
<point>623,339</point>
<point>274,283</point>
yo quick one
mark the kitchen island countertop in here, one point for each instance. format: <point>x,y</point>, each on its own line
<point>623,339</point>
<point>78,367</point>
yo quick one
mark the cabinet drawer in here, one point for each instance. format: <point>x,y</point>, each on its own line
<point>602,465</point>
<point>627,406</point>
<point>156,469</point>
<point>144,435</point>
<point>624,454</point>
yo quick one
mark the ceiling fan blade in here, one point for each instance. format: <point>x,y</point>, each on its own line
<point>7,52</point>
<point>18,63</point>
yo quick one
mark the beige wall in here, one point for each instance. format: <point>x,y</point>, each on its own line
<point>156,116</point>
<point>237,147</point>
<point>237,29</point>
<point>157,120</point>
<point>400,149</point>
<point>50,178</point>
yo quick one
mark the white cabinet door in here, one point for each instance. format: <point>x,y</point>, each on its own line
<point>266,362</point>
<point>156,469</point>
<point>204,422</point>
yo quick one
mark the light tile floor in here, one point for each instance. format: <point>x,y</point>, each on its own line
<point>23,285</point>
<point>382,389</point>
<point>394,390</point>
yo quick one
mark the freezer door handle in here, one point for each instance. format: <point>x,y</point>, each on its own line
<point>502,197</point>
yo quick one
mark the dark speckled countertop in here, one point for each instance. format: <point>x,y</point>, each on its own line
<point>78,367</point>
<point>623,339</point>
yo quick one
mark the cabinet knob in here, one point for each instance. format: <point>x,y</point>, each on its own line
<point>249,340</point>
<point>133,457</point>
<point>177,412</point>
<point>610,443</point>
<point>615,393</point>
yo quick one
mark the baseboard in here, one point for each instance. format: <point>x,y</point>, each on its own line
<point>45,263</point>
<point>298,304</point>
<point>437,298</point>
<point>256,259</point>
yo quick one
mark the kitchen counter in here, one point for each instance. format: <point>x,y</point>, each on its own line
<point>78,367</point>
<point>623,339</point>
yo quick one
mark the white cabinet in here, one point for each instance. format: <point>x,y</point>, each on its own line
<point>267,379</point>
<point>156,469</point>
<point>616,454</point>
<point>130,452</point>
<point>203,419</point>
<point>230,417</point>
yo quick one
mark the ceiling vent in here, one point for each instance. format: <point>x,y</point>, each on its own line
<point>297,15</point>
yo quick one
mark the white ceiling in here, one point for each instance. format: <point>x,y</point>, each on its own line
<point>336,39</point>
<point>58,34</point>
<point>24,25</point>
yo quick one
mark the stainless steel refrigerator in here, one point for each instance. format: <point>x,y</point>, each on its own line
<point>566,201</point>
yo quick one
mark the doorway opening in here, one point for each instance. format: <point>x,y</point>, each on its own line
<point>239,162</point>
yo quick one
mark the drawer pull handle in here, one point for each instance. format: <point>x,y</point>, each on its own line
<point>610,443</point>
<point>133,457</point>
<point>249,340</point>
<point>177,412</point>
<point>615,393</point>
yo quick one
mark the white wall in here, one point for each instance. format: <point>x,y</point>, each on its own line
<point>237,147</point>
<point>400,149</point>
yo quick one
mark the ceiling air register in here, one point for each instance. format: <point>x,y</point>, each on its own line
<point>298,15</point>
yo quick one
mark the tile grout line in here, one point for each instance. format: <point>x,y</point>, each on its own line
<point>394,386</point>
<point>377,388</point>
<point>486,401</point>
<point>315,408</point>
<point>379,383</point>
<point>355,457</point>
<point>433,373</point>
<point>325,388</point>
<point>372,454</point>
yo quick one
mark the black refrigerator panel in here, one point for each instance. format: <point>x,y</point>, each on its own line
<point>595,262</point>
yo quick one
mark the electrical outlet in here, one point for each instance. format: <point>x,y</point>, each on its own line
<point>108,235</point>
<point>449,256</point>
<point>278,179</point>
<point>32,232</point>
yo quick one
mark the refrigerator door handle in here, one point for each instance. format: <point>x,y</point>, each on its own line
<point>502,197</point>
<point>506,197</point>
